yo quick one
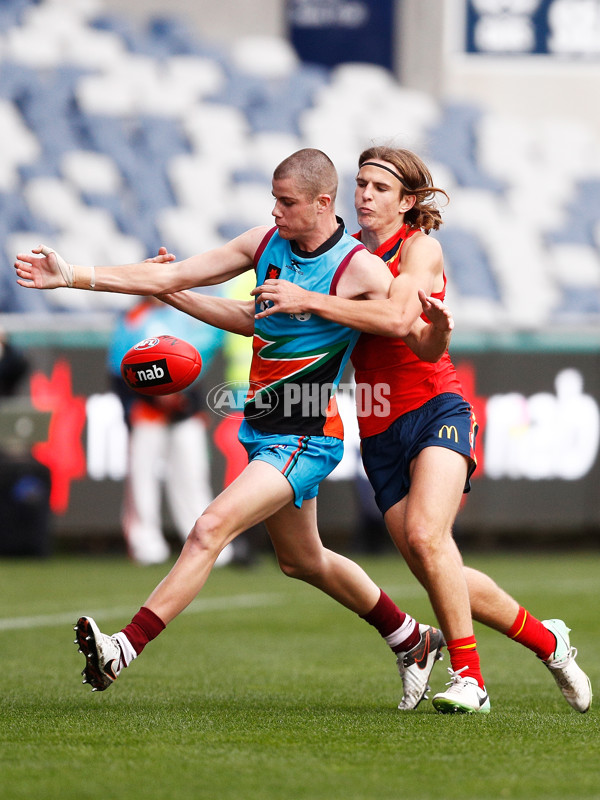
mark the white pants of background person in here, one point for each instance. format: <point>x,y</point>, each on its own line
<point>173,457</point>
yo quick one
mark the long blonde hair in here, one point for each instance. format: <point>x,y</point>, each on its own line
<point>416,179</point>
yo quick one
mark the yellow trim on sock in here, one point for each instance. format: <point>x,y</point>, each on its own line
<point>522,625</point>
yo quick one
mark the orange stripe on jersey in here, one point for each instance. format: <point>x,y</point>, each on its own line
<point>333,422</point>
<point>267,371</point>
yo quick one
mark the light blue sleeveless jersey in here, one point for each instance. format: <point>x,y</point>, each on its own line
<point>298,359</point>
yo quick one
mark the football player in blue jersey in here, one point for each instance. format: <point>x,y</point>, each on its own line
<point>293,442</point>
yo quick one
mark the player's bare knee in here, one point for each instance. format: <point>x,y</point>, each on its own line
<point>208,534</point>
<point>300,570</point>
<point>289,569</point>
<point>421,545</point>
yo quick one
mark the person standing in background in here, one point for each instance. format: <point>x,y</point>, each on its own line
<point>237,353</point>
<point>168,443</point>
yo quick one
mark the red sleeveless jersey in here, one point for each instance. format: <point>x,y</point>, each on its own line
<point>399,381</point>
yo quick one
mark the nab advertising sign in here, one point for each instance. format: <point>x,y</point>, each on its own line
<point>538,445</point>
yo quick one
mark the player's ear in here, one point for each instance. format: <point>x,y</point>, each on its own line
<point>323,202</point>
<point>407,202</point>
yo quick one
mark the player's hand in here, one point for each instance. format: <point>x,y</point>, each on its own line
<point>163,257</point>
<point>436,312</point>
<point>280,296</point>
<point>49,271</point>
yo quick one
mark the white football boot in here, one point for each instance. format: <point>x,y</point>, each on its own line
<point>103,655</point>
<point>415,666</point>
<point>570,678</point>
<point>464,696</point>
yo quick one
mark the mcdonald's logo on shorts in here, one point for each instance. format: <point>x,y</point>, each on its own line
<point>449,431</point>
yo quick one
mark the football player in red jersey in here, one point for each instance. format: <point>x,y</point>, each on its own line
<point>420,452</point>
<point>420,455</point>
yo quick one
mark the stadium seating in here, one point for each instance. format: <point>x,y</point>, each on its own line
<point>116,138</point>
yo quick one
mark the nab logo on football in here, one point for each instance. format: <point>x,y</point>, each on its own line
<point>161,365</point>
<point>149,373</point>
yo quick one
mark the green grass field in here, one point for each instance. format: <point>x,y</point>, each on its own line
<point>265,689</point>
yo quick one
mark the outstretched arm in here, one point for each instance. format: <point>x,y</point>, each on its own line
<point>235,316</point>
<point>45,269</point>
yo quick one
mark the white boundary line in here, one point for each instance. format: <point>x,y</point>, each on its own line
<point>402,593</point>
<point>197,607</point>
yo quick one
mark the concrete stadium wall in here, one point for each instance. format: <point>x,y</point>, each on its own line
<point>220,20</point>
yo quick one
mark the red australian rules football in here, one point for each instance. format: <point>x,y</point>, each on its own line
<point>161,365</point>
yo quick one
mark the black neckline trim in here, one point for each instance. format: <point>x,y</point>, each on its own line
<point>331,242</point>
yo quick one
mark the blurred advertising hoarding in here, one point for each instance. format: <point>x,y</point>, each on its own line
<point>330,32</point>
<point>561,28</point>
<point>538,442</point>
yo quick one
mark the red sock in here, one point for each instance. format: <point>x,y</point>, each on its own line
<point>144,627</point>
<point>394,625</point>
<point>463,653</point>
<point>530,632</point>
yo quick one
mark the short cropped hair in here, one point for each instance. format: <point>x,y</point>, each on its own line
<point>312,170</point>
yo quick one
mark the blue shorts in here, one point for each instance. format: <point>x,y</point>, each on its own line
<point>445,421</point>
<point>304,460</point>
